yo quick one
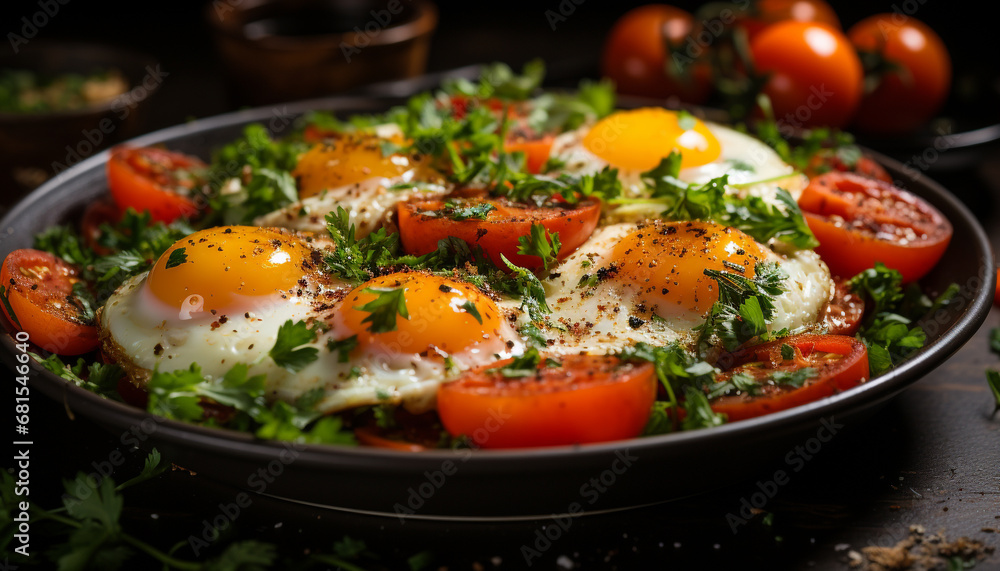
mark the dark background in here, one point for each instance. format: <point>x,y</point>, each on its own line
<point>929,458</point>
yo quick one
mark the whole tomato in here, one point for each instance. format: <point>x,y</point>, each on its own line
<point>815,76</point>
<point>637,55</point>
<point>768,12</point>
<point>915,79</point>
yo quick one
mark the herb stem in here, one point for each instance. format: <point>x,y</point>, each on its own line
<point>138,544</point>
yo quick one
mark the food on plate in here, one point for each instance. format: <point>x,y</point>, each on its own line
<point>26,91</point>
<point>409,280</point>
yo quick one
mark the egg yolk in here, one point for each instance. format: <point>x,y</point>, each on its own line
<point>640,138</point>
<point>444,316</point>
<point>663,264</point>
<point>349,160</point>
<point>227,268</point>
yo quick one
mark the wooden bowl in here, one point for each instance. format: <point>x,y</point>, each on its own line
<point>277,50</point>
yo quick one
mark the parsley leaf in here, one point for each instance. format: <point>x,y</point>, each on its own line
<point>699,412</point>
<point>470,308</point>
<point>176,258</point>
<point>675,368</point>
<point>993,380</point>
<point>745,306</point>
<point>542,244</point>
<point>100,378</point>
<point>290,336</point>
<point>526,365</point>
<point>458,211</point>
<point>343,347</point>
<point>383,309</point>
<point>525,285</point>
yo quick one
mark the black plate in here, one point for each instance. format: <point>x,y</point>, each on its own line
<point>493,484</point>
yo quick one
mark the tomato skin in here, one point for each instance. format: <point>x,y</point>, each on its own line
<point>636,56</point>
<point>146,179</point>
<point>37,285</point>
<point>843,314</point>
<point>850,370</point>
<point>589,398</point>
<point>536,151</point>
<point>843,210</point>
<point>906,98</point>
<point>815,74</point>
<point>770,12</point>
<point>499,233</point>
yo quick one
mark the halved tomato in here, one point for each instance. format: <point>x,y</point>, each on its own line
<point>39,290</point>
<point>838,362</point>
<point>160,181</point>
<point>422,224</point>
<point>826,161</point>
<point>842,316</point>
<point>586,398</point>
<point>859,221</point>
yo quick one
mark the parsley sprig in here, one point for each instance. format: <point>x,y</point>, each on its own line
<point>745,306</point>
<point>542,244</point>
<point>889,330</point>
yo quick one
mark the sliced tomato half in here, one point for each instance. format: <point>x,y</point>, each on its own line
<point>842,316</point>
<point>160,181</point>
<point>39,290</point>
<point>837,363</point>
<point>422,224</point>
<point>587,398</point>
<point>859,221</point>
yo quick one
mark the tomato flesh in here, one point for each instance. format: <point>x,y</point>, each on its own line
<point>842,316</point>
<point>421,227</point>
<point>38,287</point>
<point>859,221</point>
<point>156,180</point>
<point>588,398</point>
<point>840,363</point>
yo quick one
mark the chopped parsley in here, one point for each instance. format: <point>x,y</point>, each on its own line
<point>288,350</point>
<point>458,211</point>
<point>470,308</point>
<point>526,365</point>
<point>343,347</point>
<point>176,258</point>
<point>382,311</point>
<point>745,306</point>
<point>889,331</point>
<point>542,244</point>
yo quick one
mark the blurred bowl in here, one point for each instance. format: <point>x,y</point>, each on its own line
<point>281,50</point>
<point>36,146</point>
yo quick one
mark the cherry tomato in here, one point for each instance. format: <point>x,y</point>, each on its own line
<point>859,221</point>
<point>913,89</point>
<point>97,213</point>
<point>839,362</point>
<point>842,316</point>
<point>768,12</point>
<point>815,74</point>
<point>422,224</point>
<point>587,398</point>
<point>156,180</point>
<point>637,58</point>
<point>39,287</point>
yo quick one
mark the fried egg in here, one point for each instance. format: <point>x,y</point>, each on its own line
<point>366,174</point>
<point>220,296</point>
<point>635,141</point>
<point>645,282</point>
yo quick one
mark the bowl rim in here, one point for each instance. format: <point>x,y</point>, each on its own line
<point>229,442</point>
<point>423,22</point>
<point>108,51</point>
